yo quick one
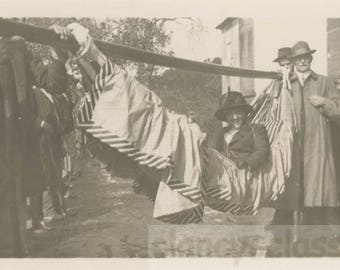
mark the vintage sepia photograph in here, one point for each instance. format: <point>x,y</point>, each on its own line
<point>175,136</point>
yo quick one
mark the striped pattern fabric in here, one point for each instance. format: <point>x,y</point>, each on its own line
<point>240,196</point>
<point>106,77</point>
<point>193,215</point>
<point>84,121</point>
<point>124,146</point>
<point>230,194</point>
<point>267,112</point>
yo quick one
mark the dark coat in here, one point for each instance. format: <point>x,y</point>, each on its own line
<point>335,132</point>
<point>250,145</point>
<point>18,138</point>
<point>50,137</point>
<point>313,176</point>
<point>65,111</point>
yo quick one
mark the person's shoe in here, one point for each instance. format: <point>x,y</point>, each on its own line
<point>111,179</point>
<point>55,217</point>
<point>40,228</point>
<point>45,226</point>
<point>70,212</point>
<point>38,231</point>
<point>67,194</point>
<point>76,174</point>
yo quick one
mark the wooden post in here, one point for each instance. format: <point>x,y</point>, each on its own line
<point>48,37</point>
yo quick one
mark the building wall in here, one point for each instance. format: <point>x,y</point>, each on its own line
<point>333,47</point>
<point>237,51</point>
<point>247,55</point>
<point>230,54</point>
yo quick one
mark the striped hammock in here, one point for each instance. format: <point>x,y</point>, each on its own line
<point>242,191</point>
<point>123,114</point>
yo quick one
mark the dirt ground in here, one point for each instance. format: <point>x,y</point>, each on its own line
<point>110,220</point>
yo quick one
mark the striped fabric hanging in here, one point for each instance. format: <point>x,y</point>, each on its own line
<point>235,198</point>
<point>84,122</point>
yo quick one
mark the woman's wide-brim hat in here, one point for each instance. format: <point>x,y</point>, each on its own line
<point>231,101</point>
<point>283,53</point>
<point>301,48</point>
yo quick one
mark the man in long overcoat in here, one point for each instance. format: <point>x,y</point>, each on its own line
<point>312,189</point>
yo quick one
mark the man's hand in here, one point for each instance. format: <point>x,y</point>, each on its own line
<point>56,52</point>
<point>61,31</point>
<point>7,50</point>
<point>318,101</point>
<point>226,125</point>
<point>79,32</point>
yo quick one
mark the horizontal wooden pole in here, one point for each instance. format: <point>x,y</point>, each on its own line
<point>48,37</point>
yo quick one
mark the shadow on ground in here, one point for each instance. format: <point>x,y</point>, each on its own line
<point>111,220</point>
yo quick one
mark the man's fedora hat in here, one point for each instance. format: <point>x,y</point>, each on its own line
<point>229,101</point>
<point>283,53</point>
<point>301,48</point>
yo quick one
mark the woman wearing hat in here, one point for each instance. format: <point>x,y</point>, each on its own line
<point>244,143</point>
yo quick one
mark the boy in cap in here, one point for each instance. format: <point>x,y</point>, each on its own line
<point>284,61</point>
<point>283,58</point>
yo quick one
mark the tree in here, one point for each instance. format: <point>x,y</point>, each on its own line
<point>192,93</point>
<point>182,91</point>
<point>142,33</point>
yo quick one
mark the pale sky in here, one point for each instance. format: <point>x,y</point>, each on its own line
<point>275,27</point>
<point>199,44</point>
<point>270,33</point>
<point>282,32</point>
